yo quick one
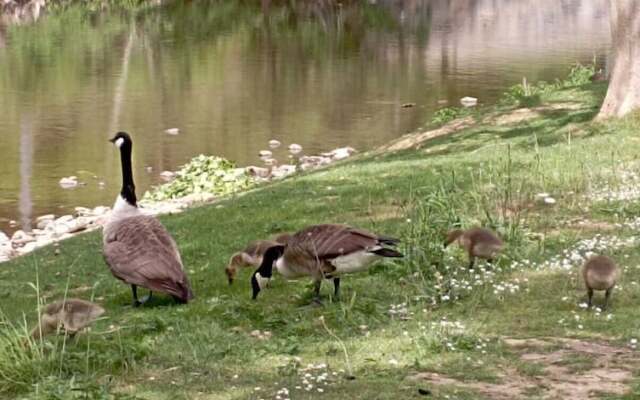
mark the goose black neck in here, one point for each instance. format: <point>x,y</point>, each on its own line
<point>270,256</point>
<point>128,191</point>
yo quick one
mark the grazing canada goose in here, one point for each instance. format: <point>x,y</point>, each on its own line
<point>137,247</point>
<point>600,273</point>
<point>323,251</point>
<point>252,255</point>
<point>478,242</point>
<point>70,315</point>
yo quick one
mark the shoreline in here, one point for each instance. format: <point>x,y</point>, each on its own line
<point>51,229</point>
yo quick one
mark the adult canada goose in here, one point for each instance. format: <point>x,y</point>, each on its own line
<point>323,252</point>
<point>251,256</point>
<point>69,315</point>
<point>600,273</point>
<point>137,248</point>
<point>478,242</point>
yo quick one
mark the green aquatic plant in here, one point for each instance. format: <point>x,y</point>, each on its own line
<point>579,75</point>
<point>203,174</point>
<point>526,95</point>
<point>444,115</point>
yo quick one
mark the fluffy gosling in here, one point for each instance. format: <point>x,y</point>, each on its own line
<point>478,242</point>
<point>69,316</point>
<point>600,273</point>
<point>251,256</point>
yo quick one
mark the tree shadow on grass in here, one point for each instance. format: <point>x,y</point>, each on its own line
<point>548,127</point>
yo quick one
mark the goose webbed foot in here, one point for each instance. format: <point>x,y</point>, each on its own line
<point>146,298</point>
<point>136,302</point>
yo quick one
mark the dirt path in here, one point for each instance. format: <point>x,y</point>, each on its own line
<point>571,369</point>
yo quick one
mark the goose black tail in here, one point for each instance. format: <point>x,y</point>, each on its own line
<point>384,252</point>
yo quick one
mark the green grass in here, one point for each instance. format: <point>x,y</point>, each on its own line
<point>452,322</point>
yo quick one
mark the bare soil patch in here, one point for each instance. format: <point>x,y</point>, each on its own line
<point>525,114</point>
<point>415,140</point>
<point>603,368</point>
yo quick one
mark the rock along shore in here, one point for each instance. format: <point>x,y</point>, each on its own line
<point>50,229</point>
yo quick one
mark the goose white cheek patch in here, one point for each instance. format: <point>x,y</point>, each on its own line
<point>262,281</point>
<point>119,142</point>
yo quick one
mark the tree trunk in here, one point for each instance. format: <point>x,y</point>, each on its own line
<point>623,94</point>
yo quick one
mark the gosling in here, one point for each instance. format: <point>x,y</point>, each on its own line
<point>478,242</point>
<point>69,316</point>
<point>600,273</point>
<point>252,255</point>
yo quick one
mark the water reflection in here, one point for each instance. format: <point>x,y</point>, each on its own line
<point>232,75</point>
<point>26,164</point>
<point>120,85</point>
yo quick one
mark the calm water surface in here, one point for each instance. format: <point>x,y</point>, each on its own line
<point>232,76</point>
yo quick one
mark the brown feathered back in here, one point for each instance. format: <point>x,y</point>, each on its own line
<point>600,273</point>
<point>72,315</point>
<point>330,240</point>
<point>257,248</point>
<point>480,242</point>
<point>282,238</point>
<point>140,251</point>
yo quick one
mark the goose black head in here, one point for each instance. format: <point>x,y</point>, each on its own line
<point>122,140</point>
<point>262,276</point>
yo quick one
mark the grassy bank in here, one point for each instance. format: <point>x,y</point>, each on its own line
<point>424,323</point>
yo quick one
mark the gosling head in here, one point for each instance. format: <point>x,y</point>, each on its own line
<point>452,236</point>
<point>232,267</point>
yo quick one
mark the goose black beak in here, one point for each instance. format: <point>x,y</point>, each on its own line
<point>112,140</point>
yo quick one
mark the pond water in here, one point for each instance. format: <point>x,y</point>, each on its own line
<point>231,75</point>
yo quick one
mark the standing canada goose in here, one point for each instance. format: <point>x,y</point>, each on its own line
<point>252,255</point>
<point>600,273</point>
<point>137,248</point>
<point>478,242</point>
<point>323,251</point>
<point>70,315</point>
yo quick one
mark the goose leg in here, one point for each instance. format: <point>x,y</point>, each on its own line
<point>607,294</point>
<point>590,294</point>
<point>472,261</point>
<point>134,291</point>
<point>316,291</point>
<point>336,286</point>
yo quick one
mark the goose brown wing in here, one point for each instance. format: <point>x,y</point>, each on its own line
<point>330,241</point>
<point>141,252</point>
